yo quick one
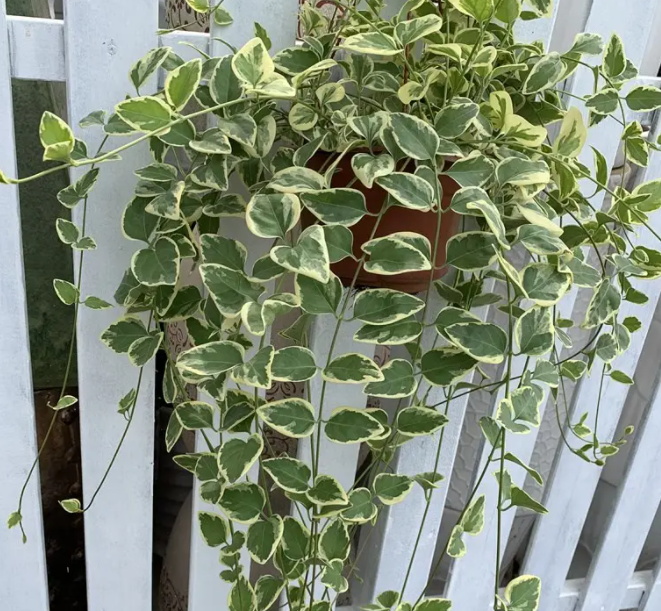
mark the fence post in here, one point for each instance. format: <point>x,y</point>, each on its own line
<point>102,41</point>
<point>23,582</point>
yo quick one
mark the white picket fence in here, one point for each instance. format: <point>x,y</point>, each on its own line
<point>92,50</point>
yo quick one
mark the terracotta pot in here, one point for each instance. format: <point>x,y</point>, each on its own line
<point>396,219</point>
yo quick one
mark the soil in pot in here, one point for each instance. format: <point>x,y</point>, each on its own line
<point>396,219</point>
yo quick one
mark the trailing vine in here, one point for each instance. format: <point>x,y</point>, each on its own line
<point>437,110</point>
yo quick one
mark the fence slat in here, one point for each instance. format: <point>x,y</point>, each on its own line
<point>36,49</point>
<point>206,589</point>
<point>103,40</point>
<point>23,582</point>
<point>571,485</point>
<point>630,521</point>
<point>651,600</point>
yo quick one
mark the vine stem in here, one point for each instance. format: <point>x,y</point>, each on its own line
<point>113,153</point>
<point>67,371</point>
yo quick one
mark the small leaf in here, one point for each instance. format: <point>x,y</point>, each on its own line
<point>64,402</point>
<point>182,83</point>
<point>420,421</point>
<point>349,425</point>
<point>352,368</point>
<point>291,417</point>
<point>391,488</point>
<point>66,292</point>
<point>71,506</point>
<point>236,456</point>
<point>56,137</point>
<point>214,528</point>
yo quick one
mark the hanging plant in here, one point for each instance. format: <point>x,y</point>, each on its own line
<point>410,155</point>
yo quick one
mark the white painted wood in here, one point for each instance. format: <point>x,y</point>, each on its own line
<point>651,600</point>
<point>335,459</point>
<point>630,520</point>
<point>387,555</point>
<point>36,49</point>
<point>103,40</point>
<point>205,586</point>
<point>23,583</point>
<point>572,483</point>
<point>473,575</point>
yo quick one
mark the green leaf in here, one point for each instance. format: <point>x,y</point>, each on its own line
<point>454,119</point>
<point>56,137</point>
<point>573,134</point>
<point>309,257</point>
<point>149,64</point>
<point>289,474</point>
<point>604,303</point>
<point>644,98</point>
<point>146,114</point>
<point>414,136</point>
<point>433,604</point>
<point>224,86</point>
<point>212,142</point>
<point>472,250</point>
<point>485,342</point>
<point>96,303</point>
<point>398,382</point>
<point>222,16</point>
<point>606,101</point>
<point>391,488</point>
<point>394,334</point>
<point>539,240</point>
<point>210,359</point>
<point>522,172</point>
<point>336,206</point>
<point>66,292</point>
<point>621,377</point>
<point>445,366</point>
<point>257,371</point>
<point>302,117</point>
<point>532,472</point>
<point>262,34</point>
<point>317,297</point>
<point>137,223</point>
<point>472,522</point>
<point>243,502</point>
<point>144,350</point>
<point>236,456</point>
<point>544,284</point>
<point>352,368</point>
<point>588,44</point>
<point>195,415</point>
<point>408,32</point>
<point>615,61</point>
<point>297,180</point>
<point>291,417</point>
<point>293,364</point>
<point>167,205</point>
<point>420,421</point>
<point>385,306</point>
<point>200,6</point>
<point>214,528</point>
<point>544,74</point>
<point>573,369</point>
<point>71,506</point>
<point>349,425</point>
<point>263,538</point>
<point>368,168</point>
<point>223,251</point>
<point>182,83</point>
<point>229,288</point>
<point>267,591</point>
<point>334,543</point>
<point>523,593</point>
<point>472,171</point>
<point>120,335</point>
<point>241,596</point>
<point>535,333</point>
<point>64,402</point>
<point>409,190</point>
<point>372,43</point>
<point>326,490</point>
<point>332,576</point>
<point>273,216</point>
<point>295,539</point>
<point>157,265</point>
<point>361,508</point>
<point>519,498</point>
<point>398,253</point>
<point>480,10</point>
<point>546,372</point>
<point>71,195</point>
<point>252,63</point>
